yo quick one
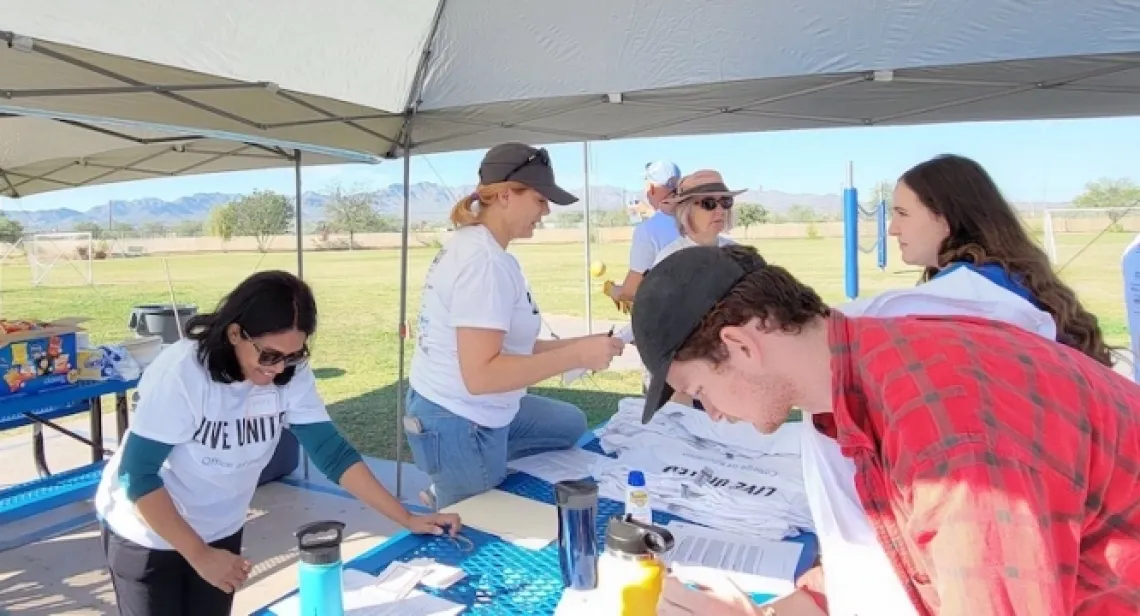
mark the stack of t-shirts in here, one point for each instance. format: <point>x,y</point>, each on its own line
<point>685,424</point>
<point>729,477</point>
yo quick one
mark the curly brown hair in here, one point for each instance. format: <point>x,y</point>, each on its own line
<point>984,228</point>
<point>769,293</point>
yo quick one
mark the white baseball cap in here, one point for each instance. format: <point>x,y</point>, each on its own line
<point>663,173</point>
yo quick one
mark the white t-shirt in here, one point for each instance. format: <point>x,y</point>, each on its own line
<point>223,434</point>
<point>684,242</point>
<point>962,292</point>
<point>649,237</point>
<point>1130,265</point>
<point>723,476</point>
<point>473,282</point>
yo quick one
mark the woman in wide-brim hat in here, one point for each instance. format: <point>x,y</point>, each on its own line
<point>703,209</point>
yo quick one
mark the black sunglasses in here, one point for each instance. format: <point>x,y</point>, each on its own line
<point>270,357</point>
<point>541,156</point>
<point>711,203</point>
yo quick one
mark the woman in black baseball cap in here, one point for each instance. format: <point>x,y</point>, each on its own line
<point>477,346</point>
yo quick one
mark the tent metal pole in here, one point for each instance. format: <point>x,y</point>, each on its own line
<point>404,141</point>
<point>300,233</point>
<point>403,326</point>
<point>586,207</point>
<point>300,229</point>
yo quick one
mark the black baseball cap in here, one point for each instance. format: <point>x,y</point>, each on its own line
<point>519,162</point>
<point>672,300</point>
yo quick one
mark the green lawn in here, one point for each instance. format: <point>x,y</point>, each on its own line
<point>355,350</point>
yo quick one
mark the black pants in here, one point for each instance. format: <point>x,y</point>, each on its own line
<point>161,582</point>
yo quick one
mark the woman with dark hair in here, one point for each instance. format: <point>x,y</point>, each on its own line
<point>947,214</point>
<point>174,498</point>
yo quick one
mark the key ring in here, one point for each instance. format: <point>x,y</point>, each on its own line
<point>462,543</point>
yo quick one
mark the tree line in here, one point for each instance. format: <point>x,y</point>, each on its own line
<point>264,214</point>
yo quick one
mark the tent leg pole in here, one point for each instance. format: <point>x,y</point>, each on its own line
<point>586,255</point>
<point>403,326</point>
<point>300,233</point>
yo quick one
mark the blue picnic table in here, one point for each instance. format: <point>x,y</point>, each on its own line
<point>504,579</point>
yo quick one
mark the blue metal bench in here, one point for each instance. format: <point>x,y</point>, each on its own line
<point>22,501</point>
<point>42,409</point>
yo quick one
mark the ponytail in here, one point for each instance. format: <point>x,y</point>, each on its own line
<point>464,214</point>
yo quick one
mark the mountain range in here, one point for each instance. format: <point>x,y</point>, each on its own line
<point>429,202</point>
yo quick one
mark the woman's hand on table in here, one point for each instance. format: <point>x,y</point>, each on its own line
<point>434,524</point>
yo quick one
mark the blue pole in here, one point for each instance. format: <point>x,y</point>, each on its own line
<point>882,219</point>
<point>851,234</point>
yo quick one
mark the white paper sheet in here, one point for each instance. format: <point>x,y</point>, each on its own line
<point>555,466</point>
<point>398,579</point>
<point>363,598</point>
<point>755,565</point>
<point>521,521</point>
<point>437,575</point>
<point>625,334</point>
<point>573,375</point>
<point>586,603</point>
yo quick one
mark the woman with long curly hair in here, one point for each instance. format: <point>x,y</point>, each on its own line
<point>948,213</point>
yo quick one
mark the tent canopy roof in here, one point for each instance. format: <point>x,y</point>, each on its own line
<point>346,76</point>
<point>40,155</point>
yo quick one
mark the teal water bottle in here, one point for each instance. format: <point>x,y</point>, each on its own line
<point>321,571</point>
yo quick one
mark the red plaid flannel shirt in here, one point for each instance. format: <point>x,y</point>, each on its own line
<point>1000,470</point>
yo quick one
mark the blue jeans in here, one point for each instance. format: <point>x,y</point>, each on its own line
<point>464,459</point>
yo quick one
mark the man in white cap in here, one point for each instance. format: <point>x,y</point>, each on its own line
<point>652,234</point>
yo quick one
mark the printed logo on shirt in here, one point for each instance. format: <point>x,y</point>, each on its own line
<point>707,477</point>
<point>227,435</point>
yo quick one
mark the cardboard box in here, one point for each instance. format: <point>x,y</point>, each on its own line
<point>37,356</point>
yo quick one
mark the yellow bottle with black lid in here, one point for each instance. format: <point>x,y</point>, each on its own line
<point>631,570</point>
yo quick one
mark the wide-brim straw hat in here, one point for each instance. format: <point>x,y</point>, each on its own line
<point>703,183</point>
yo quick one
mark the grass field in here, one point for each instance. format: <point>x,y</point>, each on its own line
<point>358,292</point>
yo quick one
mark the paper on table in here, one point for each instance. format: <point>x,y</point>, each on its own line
<point>524,522</point>
<point>398,579</point>
<point>586,603</point>
<point>436,574</point>
<point>362,598</point>
<point>755,565</point>
<point>555,466</point>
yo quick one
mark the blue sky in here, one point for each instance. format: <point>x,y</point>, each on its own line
<point>1032,161</point>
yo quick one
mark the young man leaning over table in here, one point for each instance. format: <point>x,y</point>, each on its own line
<point>957,466</point>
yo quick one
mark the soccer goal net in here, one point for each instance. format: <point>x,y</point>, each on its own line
<point>63,259</point>
<point>1070,233</point>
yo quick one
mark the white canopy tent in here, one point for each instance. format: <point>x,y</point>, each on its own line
<point>45,154</point>
<point>41,154</point>
<point>389,77</point>
<point>350,74</point>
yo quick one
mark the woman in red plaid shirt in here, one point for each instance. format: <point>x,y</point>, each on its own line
<point>955,466</point>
